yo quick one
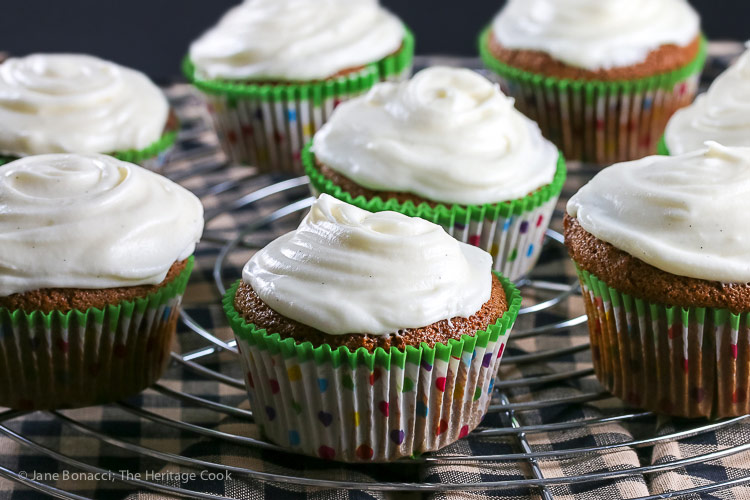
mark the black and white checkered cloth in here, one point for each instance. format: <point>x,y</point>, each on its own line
<point>121,437</point>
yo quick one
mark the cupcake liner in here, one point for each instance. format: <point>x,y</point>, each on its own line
<point>688,362</point>
<point>267,125</point>
<point>662,148</point>
<point>83,358</point>
<point>369,407</point>
<point>596,121</point>
<point>512,232</point>
<point>152,157</point>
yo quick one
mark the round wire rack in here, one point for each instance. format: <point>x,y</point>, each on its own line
<point>243,212</point>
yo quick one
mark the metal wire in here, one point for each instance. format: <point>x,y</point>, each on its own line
<point>235,197</point>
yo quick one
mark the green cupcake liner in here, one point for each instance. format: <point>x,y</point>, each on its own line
<point>316,91</point>
<point>80,358</point>
<point>150,152</point>
<point>369,407</point>
<point>598,121</point>
<point>111,312</point>
<point>396,64</point>
<point>694,361</point>
<point>662,148</point>
<point>445,215</point>
<point>663,80</point>
<point>304,351</point>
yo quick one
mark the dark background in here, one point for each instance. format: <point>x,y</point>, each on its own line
<point>153,35</point>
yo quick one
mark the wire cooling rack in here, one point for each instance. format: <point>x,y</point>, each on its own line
<point>244,211</point>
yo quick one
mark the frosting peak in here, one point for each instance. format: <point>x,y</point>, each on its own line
<point>74,103</point>
<point>682,214</point>
<point>596,34</point>
<point>721,114</point>
<point>90,221</point>
<point>346,270</point>
<point>296,39</point>
<point>448,135</point>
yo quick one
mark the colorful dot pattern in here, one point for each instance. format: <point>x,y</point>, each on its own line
<point>514,241</point>
<point>635,342</point>
<point>314,408</point>
<point>81,356</point>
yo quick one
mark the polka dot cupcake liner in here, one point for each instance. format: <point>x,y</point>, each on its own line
<point>153,157</point>
<point>686,362</point>
<point>83,358</point>
<point>267,125</point>
<point>369,407</point>
<point>596,121</point>
<point>512,232</point>
<point>662,148</point>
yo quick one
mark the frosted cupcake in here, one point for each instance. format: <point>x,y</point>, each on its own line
<point>369,336</point>
<point>74,103</point>
<point>722,114</point>
<point>96,253</point>
<point>661,249</point>
<point>273,70</point>
<point>601,78</point>
<point>449,147</point>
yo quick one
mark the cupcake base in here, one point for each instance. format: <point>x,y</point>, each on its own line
<point>369,407</point>
<point>77,359</point>
<point>687,362</point>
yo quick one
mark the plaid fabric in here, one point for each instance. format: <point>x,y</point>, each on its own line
<point>565,374</point>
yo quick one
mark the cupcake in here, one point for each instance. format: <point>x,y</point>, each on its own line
<point>722,114</point>
<point>601,78</point>
<point>273,70</point>
<point>661,251</point>
<point>449,147</point>
<point>96,253</point>
<point>74,103</point>
<point>366,337</point>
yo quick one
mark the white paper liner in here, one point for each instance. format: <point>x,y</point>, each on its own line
<point>86,363</point>
<point>359,415</point>
<point>606,127</point>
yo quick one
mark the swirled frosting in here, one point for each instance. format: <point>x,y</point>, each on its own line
<point>596,34</point>
<point>72,103</point>
<point>722,114</point>
<point>346,270</point>
<point>448,135</point>
<point>90,221</point>
<point>685,214</point>
<point>296,39</point>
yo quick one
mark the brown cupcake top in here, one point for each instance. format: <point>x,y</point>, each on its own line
<point>254,310</point>
<point>67,299</point>
<point>356,190</point>
<point>634,277</point>
<point>664,59</point>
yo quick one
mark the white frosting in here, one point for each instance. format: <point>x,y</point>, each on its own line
<point>448,135</point>
<point>71,103</point>
<point>686,215</point>
<point>722,114</point>
<point>346,270</point>
<point>91,221</point>
<point>296,39</point>
<point>596,34</point>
